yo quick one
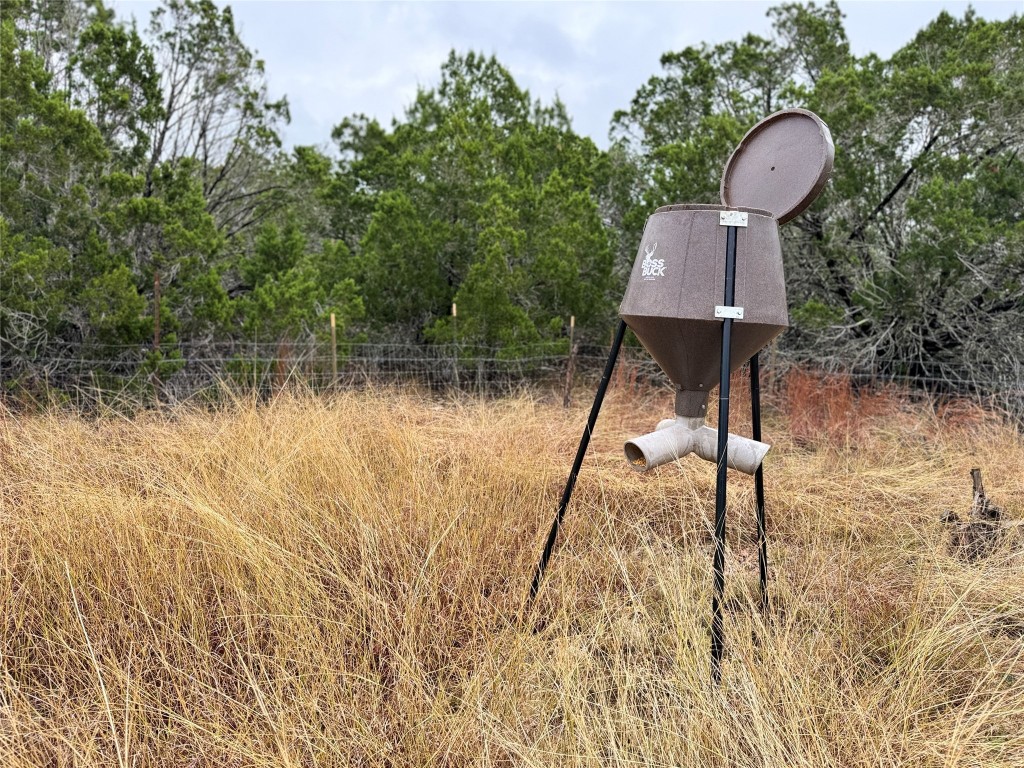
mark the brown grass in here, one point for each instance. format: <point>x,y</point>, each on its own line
<point>333,582</point>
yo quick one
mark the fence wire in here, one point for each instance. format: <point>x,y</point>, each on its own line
<point>203,369</point>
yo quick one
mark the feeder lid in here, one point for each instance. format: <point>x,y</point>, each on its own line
<point>781,165</point>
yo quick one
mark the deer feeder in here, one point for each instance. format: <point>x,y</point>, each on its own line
<point>674,300</point>
<point>707,292</point>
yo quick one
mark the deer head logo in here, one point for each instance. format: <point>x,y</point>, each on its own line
<point>651,267</point>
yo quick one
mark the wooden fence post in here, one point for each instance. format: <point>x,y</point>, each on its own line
<point>156,335</point>
<point>570,368</point>
<point>334,353</point>
<point>455,356</point>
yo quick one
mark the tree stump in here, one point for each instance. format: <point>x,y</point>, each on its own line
<point>978,535</point>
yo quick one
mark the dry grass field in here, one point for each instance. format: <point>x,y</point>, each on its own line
<point>342,581</point>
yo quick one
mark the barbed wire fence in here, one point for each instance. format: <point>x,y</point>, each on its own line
<point>205,370</point>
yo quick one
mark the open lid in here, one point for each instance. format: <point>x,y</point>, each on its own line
<point>781,165</point>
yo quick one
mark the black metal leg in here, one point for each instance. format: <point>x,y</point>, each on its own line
<point>762,536</point>
<point>718,596</point>
<point>538,575</point>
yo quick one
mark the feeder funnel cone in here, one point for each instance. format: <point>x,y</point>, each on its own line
<point>677,286</point>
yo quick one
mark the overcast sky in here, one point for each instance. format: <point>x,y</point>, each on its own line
<point>334,59</point>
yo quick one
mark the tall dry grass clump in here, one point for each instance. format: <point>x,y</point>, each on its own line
<point>342,581</point>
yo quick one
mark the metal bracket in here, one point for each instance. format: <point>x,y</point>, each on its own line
<point>732,218</point>
<point>735,313</point>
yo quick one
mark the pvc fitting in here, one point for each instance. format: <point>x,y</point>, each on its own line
<point>674,438</point>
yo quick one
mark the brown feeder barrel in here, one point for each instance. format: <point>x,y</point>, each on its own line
<point>678,279</point>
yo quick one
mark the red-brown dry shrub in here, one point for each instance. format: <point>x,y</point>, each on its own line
<point>824,408</point>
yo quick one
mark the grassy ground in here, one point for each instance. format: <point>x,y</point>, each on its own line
<point>342,582</point>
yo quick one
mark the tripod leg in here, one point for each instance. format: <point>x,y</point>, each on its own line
<point>762,537</point>
<point>538,574</point>
<point>718,596</point>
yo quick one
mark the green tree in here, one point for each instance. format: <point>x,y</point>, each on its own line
<point>469,200</point>
<point>117,85</point>
<point>32,299</point>
<point>216,113</point>
<point>52,157</point>
<point>913,257</point>
<point>97,226</point>
<point>910,261</point>
<point>292,289</point>
<point>496,278</point>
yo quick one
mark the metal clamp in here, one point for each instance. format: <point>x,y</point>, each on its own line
<point>732,218</point>
<point>734,313</point>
